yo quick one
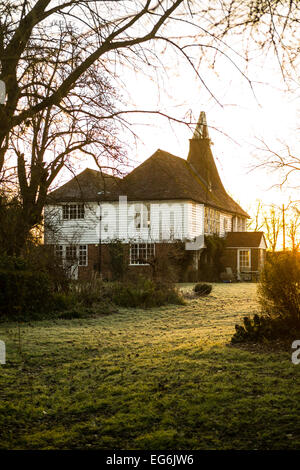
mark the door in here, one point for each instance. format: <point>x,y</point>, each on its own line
<point>71,262</point>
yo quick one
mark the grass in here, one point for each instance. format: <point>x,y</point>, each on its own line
<point>161,378</point>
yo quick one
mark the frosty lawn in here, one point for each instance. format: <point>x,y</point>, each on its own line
<point>148,379</point>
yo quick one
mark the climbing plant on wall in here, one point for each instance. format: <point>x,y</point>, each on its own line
<point>211,259</point>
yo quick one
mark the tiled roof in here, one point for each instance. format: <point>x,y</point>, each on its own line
<point>86,187</point>
<point>163,176</point>
<point>244,239</point>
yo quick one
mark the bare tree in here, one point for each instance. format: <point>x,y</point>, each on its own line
<point>294,229</point>
<point>272,225</point>
<point>55,137</point>
<point>107,32</point>
<point>283,161</point>
<point>55,57</point>
<point>31,32</point>
<point>256,222</point>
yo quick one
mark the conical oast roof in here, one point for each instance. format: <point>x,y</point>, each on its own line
<point>201,160</point>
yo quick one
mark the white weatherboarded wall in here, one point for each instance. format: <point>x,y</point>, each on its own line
<point>152,221</point>
<point>83,231</point>
<point>195,219</point>
<point>127,221</point>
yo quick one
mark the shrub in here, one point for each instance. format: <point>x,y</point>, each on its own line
<point>144,293</point>
<point>27,293</point>
<point>42,258</point>
<point>279,297</point>
<point>87,293</point>
<point>22,291</point>
<point>118,259</point>
<point>203,289</point>
<point>279,287</point>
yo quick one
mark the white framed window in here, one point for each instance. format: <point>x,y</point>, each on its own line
<point>141,216</point>
<point>211,221</point>
<point>244,260</point>
<point>141,253</point>
<point>73,211</point>
<point>240,224</point>
<point>137,216</point>
<point>72,254</point>
<point>226,224</point>
<point>83,258</point>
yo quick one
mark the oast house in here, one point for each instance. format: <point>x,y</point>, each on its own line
<point>165,201</point>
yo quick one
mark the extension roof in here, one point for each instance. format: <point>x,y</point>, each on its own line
<point>244,239</point>
<point>162,176</point>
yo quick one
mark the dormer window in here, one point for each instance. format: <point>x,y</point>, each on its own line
<point>73,211</point>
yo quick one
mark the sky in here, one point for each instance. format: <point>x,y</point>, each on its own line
<point>238,125</point>
<point>242,109</point>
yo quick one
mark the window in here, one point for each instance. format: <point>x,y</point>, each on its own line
<point>138,216</point>
<point>73,211</point>
<point>141,253</point>
<point>71,253</point>
<point>244,260</point>
<point>206,220</point>
<point>240,224</point>
<point>216,222</point>
<point>147,216</point>
<point>211,221</point>
<point>141,216</point>
<point>59,254</point>
<point>83,255</point>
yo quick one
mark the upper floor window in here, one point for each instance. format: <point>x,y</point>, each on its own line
<point>211,221</point>
<point>73,211</point>
<point>141,216</point>
<point>240,224</point>
<point>225,224</point>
